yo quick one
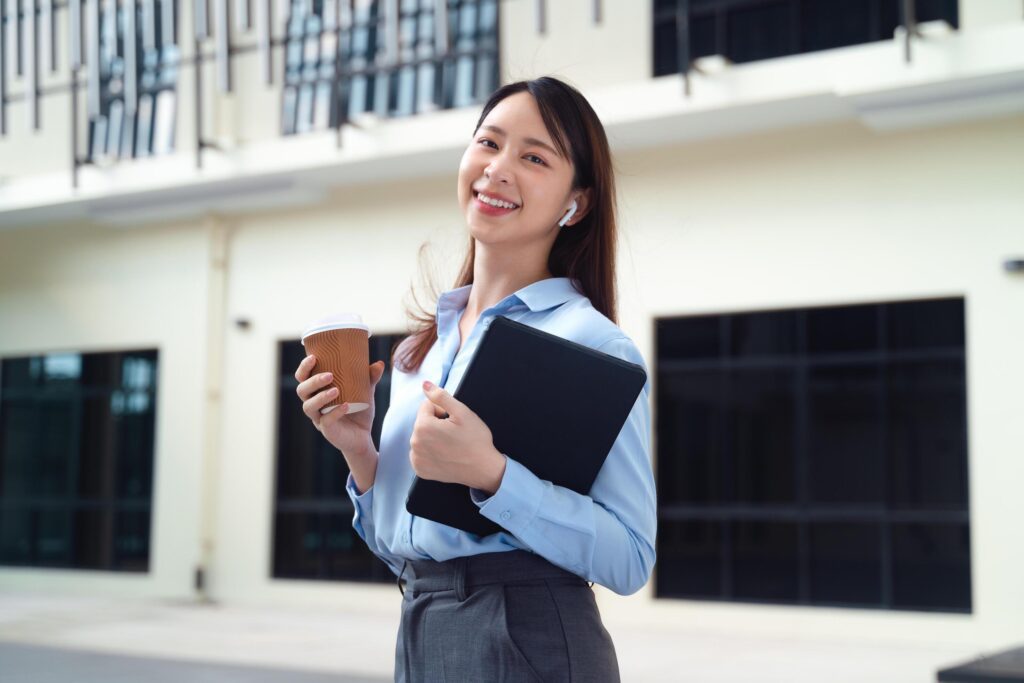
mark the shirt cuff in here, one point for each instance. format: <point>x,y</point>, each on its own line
<point>515,504</point>
<point>362,502</point>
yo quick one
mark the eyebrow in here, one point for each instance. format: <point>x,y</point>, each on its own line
<point>529,141</point>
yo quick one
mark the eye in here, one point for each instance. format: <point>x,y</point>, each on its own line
<point>484,141</point>
<point>534,156</point>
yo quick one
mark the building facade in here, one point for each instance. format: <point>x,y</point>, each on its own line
<point>822,234</point>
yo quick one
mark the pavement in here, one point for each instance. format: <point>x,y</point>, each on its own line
<point>36,664</point>
<point>77,639</point>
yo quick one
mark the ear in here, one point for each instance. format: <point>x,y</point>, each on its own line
<point>583,200</point>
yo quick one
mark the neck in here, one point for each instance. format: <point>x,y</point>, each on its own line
<point>496,275</point>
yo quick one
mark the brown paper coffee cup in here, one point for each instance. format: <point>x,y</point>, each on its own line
<point>341,345</point>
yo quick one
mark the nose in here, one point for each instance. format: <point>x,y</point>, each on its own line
<point>498,170</point>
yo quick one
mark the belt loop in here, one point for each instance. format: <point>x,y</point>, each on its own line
<point>460,578</point>
<point>401,586</point>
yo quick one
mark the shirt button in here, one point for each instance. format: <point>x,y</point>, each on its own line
<point>506,515</point>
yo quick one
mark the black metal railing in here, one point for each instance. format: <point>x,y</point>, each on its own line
<point>416,55</point>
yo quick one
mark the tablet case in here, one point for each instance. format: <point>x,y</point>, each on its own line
<point>551,404</point>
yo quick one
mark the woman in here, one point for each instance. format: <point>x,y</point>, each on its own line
<point>537,190</point>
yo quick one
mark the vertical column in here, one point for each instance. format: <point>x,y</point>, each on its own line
<point>148,26</point>
<point>200,20</point>
<point>218,241</point>
<point>130,65</point>
<point>386,58</point>
<point>3,73</point>
<point>14,36</point>
<point>909,21</point>
<point>30,57</point>
<point>222,35</point>
<point>47,37</point>
<point>108,31</point>
<point>92,57</point>
<point>264,39</point>
<point>683,42</point>
<point>243,15</point>
<point>167,32</point>
<point>441,26</point>
<point>74,33</point>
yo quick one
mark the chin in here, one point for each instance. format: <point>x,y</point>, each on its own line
<point>490,233</point>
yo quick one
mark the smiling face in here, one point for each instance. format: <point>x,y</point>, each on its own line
<point>514,186</point>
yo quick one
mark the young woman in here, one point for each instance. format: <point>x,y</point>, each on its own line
<point>537,189</point>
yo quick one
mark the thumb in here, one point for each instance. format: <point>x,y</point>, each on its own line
<point>377,371</point>
<point>442,398</point>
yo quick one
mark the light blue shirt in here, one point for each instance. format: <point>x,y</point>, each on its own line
<point>606,537</point>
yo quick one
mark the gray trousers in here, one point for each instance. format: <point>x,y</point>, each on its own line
<point>506,616</point>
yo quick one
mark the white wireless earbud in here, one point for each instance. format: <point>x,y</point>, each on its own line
<point>572,210</point>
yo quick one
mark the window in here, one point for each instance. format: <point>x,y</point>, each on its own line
<point>340,64</point>
<point>76,460</point>
<point>313,534</point>
<point>815,457</point>
<point>123,129</point>
<point>751,30</point>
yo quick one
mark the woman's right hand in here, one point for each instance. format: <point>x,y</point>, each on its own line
<point>350,434</point>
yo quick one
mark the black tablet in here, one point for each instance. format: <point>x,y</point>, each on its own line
<point>552,405</point>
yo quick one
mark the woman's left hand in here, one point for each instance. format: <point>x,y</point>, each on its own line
<point>457,449</point>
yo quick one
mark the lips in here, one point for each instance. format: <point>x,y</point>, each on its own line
<point>495,195</point>
<point>489,210</point>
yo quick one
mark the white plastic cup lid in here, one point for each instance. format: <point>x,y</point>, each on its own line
<point>336,321</point>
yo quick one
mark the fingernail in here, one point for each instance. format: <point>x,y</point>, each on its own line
<point>328,377</point>
<point>428,385</point>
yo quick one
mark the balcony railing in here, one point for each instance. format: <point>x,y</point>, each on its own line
<point>342,59</point>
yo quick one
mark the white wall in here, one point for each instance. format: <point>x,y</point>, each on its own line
<point>588,55</point>
<point>976,14</point>
<point>358,254</point>
<point>84,289</point>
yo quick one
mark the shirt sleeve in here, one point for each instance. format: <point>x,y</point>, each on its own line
<point>606,536</point>
<point>362,522</point>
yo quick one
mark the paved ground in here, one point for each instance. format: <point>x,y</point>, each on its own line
<point>35,664</point>
<point>61,639</point>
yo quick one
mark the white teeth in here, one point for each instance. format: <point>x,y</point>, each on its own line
<point>494,202</point>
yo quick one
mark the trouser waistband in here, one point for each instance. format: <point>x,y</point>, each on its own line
<point>462,574</point>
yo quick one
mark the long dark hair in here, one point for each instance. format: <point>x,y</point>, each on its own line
<point>584,252</point>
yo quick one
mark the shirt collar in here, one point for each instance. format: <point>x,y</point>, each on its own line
<point>545,294</point>
<point>539,296</point>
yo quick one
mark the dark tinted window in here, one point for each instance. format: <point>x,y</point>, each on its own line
<point>76,460</point>
<point>815,456</point>
<point>764,29</point>
<point>313,534</point>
